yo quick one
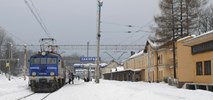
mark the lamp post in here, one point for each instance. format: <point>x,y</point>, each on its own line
<point>18,71</point>
<point>97,69</point>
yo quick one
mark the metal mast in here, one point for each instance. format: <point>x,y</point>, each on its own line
<point>97,70</point>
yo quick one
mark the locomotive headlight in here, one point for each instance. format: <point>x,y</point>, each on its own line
<point>43,53</point>
<point>52,73</point>
<point>33,73</point>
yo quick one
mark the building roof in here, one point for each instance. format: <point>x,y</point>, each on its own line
<point>125,70</point>
<point>205,37</point>
<point>136,54</point>
<point>156,45</point>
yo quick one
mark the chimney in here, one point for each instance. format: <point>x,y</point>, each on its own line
<point>132,53</point>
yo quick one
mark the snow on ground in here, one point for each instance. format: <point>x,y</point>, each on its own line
<point>105,90</point>
<point>13,89</point>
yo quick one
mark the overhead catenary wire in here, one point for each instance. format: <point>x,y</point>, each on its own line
<point>40,17</point>
<point>116,24</point>
<point>139,30</point>
<point>140,38</point>
<point>37,17</point>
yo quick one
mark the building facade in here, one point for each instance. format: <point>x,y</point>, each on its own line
<point>194,60</point>
<point>195,57</point>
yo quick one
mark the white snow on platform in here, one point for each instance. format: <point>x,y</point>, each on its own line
<point>105,90</point>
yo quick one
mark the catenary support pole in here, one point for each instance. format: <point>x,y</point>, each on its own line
<point>97,69</point>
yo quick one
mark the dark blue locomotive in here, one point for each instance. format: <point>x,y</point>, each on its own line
<point>47,72</point>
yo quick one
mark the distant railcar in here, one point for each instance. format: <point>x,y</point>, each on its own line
<point>47,72</point>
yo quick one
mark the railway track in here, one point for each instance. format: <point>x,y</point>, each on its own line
<point>43,96</point>
<point>35,96</point>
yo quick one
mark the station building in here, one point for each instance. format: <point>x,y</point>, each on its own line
<point>194,57</point>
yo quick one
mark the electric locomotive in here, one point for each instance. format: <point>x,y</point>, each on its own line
<point>47,72</point>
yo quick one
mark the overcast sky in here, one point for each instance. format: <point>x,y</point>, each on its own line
<point>74,21</point>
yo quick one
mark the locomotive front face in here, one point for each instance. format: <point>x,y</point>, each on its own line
<point>43,66</point>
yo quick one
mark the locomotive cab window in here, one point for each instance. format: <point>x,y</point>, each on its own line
<point>51,60</point>
<point>35,60</point>
<point>43,60</point>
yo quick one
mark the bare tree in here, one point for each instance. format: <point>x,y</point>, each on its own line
<point>2,39</point>
<point>185,16</point>
<point>206,20</point>
<point>5,48</point>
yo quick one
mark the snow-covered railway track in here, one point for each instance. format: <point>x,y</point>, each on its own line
<point>35,96</point>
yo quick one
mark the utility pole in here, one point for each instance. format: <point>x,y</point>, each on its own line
<point>25,60</point>
<point>87,49</point>
<point>89,67</point>
<point>97,69</point>
<point>173,40</point>
<point>11,57</point>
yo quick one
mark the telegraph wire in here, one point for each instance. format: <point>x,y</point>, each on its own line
<point>37,19</point>
<point>138,31</point>
<point>148,23</point>
<point>116,24</point>
<point>13,35</point>
<point>16,37</point>
<point>127,38</point>
<point>140,38</point>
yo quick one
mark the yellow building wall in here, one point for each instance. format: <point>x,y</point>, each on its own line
<point>185,71</point>
<point>164,65</point>
<point>109,67</point>
<point>150,72</point>
<point>202,57</point>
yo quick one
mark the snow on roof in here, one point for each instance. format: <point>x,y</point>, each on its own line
<point>152,44</point>
<point>135,70</point>
<point>119,68</point>
<point>90,65</point>
<point>186,38</point>
<point>156,45</point>
<point>205,37</point>
<point>209,32</point>
<point>103,64</point>
<point>136,54</point>
<point>122,69</point>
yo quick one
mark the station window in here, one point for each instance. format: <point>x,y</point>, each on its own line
<point>199,68</point>
<point>208,46</point>
<point>207,67</point>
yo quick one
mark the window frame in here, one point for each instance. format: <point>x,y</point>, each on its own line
<point>35,60</point>
<point>55,60</point>
<point>207,67</point>
<point>199,69</point>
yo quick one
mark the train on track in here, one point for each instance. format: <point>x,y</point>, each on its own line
<point>47,72</point>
